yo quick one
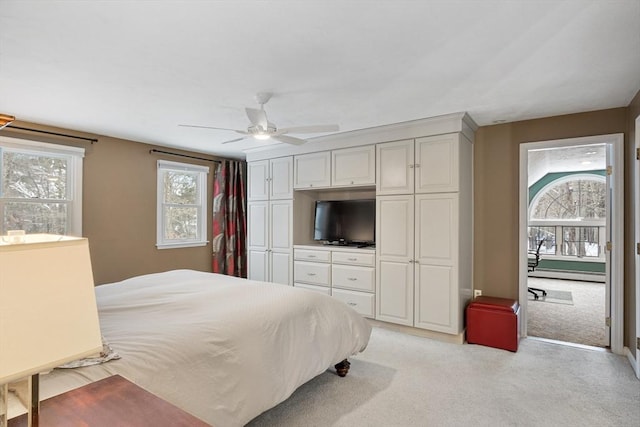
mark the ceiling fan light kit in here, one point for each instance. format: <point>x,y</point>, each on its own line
<point>5,119</point>
<point>262,129</point>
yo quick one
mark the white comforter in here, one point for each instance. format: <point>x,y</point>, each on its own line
<point>222,348</point>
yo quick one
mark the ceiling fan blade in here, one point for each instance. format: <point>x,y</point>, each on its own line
<point>258,118</point>
<point>288,139</point>
<point>234,140</point>
<point>310,129</point>
<point>211,127</point>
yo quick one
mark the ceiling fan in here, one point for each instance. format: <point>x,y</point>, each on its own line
<point>262,128</point>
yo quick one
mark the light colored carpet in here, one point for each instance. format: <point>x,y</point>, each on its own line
<point>581,322</point>
<point>404,380</point>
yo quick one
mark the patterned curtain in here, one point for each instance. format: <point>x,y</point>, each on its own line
<point>229,220</point>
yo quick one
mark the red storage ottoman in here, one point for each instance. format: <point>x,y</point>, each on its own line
<point>494,322</point>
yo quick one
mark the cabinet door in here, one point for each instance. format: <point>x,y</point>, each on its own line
<point>281,178</point>
<point>394,254</point>
<point>436,298</point>
<point>437,164</point>
<point>353,166</point>
<point>257,177</point>
<point>281,225</point>
<point>437,228</point>
<point>257,264</point>
<point>281,267</point>
<point>436,270</point>
<point>394,228</point>
<point>394,292</point>
<point>312,170</point>
<point>394,168</point>
<point>258,225</point>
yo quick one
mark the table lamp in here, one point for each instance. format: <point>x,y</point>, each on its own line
<point>48,313</point>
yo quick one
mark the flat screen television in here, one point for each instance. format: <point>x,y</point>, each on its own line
<point>346,222</point>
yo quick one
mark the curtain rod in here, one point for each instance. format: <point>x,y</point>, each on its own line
<point>183,155</point>
<point>92,140</point>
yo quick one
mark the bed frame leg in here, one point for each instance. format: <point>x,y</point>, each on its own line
<point>342,368</point>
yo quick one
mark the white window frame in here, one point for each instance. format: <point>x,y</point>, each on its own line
<point>74,155</point>
<point>201,238</point>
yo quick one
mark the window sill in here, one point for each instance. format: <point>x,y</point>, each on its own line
<point>181,245</point>
<point>549,257</point>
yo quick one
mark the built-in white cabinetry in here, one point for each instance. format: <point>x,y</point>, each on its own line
<point>270,179</point>
<point>312,170</point>
<point>423,165</point>
<point>270,220</point>
<point>419,274</point>
<point>349,167</point>
<point>270,241</point>
<point>423,236</point>
<point>353,166</point>
<point>347,274</point>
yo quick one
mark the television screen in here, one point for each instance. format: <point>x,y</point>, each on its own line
<point>345,221</point>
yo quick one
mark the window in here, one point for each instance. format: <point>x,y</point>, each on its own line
<point>182,205</point>
<point>573,198</point>
<point>569,214</point>
<point>580,241</point>
<point>537,234</point>
<point>40,187</point>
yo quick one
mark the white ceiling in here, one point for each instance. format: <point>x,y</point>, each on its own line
<point>136,70</point>
<point>579,158</point>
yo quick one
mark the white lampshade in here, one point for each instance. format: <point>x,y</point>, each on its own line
<point>48,313</point>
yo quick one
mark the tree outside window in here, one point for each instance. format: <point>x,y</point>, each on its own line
<point>573,209</point>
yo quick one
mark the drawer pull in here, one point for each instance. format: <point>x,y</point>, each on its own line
<point>352,259</point>
<point>311,256</point>
<point>311,274</point>
<point>353,279</point>
<point>352,303</point>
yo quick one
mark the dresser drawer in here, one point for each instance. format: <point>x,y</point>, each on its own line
<point>368,260</point>
<point>361,302</point>
<point>352,277</point>
<point>312,272</point>
<point>322,289</point>
<point>311,255</point>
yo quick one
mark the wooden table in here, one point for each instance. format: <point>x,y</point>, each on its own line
<point>111,402</point>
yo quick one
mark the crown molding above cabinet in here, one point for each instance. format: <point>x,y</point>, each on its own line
<point>449,123</point>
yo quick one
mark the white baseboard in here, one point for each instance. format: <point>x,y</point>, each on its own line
<point>632,361</point>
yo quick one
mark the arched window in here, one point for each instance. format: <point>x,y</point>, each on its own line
<point>569,215</point>
<point>573,197</point>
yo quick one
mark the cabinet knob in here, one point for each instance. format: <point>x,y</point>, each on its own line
<point>410,166</point>
<point>417,165</point>
<point>352,182</point>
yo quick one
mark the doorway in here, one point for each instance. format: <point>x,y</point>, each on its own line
<point>571,210</point>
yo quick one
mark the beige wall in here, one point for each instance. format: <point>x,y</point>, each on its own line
<point>119,207</point>
<point>496,176</point>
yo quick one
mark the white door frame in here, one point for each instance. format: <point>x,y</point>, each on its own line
<point>636,185</point>
<point>616,142</point>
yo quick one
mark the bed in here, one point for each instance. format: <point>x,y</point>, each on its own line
<point>222,348</point>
